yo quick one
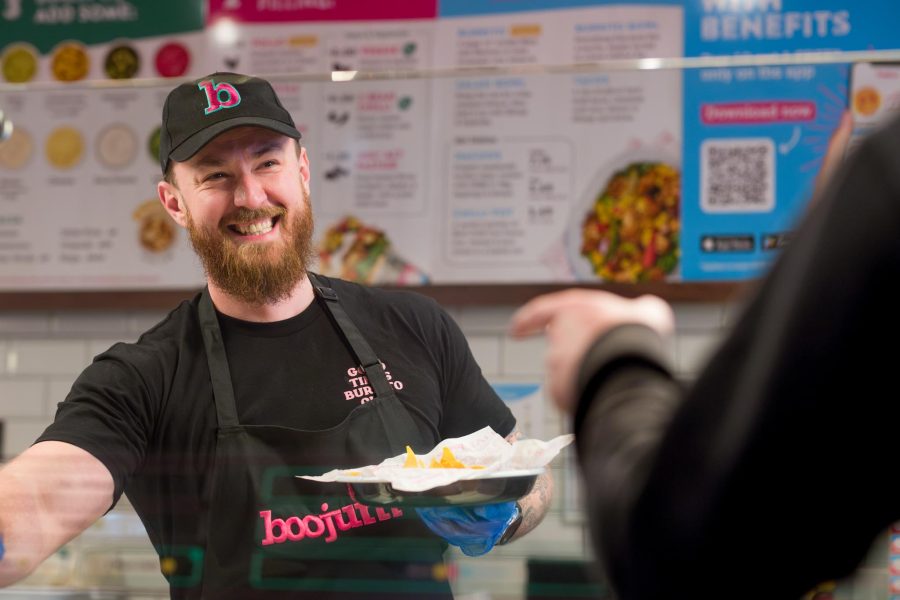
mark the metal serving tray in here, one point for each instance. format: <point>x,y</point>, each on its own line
<point>499,487</point>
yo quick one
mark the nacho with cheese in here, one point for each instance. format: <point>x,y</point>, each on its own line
<point>480,455</point>
<point>447,461</point>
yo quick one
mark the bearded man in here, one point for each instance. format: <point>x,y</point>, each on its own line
<point>269,373</point>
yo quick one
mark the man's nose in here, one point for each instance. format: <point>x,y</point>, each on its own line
<point>249,192</point>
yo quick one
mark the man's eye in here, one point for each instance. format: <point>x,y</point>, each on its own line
<point>214,176</point>
<point>269,163</point>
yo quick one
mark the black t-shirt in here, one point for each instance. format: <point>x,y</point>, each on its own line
<point>146,409</point>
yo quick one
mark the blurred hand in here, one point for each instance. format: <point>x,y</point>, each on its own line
<point>573,320</point>
<point>834,155</point>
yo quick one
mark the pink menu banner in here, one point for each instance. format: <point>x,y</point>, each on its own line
<point>281,11</point>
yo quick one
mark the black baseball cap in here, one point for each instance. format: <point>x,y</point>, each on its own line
<point>197,111</point>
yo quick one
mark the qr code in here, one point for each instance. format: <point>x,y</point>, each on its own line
<point>737,175</point>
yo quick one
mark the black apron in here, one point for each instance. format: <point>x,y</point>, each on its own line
<point>273,535</point>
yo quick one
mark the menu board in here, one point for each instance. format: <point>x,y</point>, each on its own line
<point>78,205</point>
<point>67,41</point>
<point>526,166</point>
<point>463,162</point>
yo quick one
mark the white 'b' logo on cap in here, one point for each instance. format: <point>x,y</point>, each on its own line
<point>219,96</point>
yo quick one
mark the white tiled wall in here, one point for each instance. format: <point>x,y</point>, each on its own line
<point>41,353</point>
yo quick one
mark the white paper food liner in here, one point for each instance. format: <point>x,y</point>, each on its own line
<point>485,447</point>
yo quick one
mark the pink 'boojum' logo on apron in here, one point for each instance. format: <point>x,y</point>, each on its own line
<point>327,523</point>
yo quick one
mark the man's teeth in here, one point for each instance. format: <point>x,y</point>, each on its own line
<point>257,228</point>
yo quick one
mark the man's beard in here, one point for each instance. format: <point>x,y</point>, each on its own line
<point>257,273</point>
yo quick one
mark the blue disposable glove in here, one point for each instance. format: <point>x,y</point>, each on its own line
<point>2,549</point>
<point>475,529</point>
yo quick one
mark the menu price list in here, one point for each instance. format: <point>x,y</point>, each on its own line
<point>505,195</point>
<point>374,148</point>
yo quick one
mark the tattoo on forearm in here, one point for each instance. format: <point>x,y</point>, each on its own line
<point>535,504</point>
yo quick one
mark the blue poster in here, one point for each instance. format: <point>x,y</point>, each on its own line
<point>755,136</point>
<point>721,27</point>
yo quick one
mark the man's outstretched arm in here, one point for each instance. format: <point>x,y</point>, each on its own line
<point>48,495</point>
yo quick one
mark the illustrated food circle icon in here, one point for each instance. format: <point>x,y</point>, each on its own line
<point>116,146</point>
<point>153,143</point>
<point>122,62</point>
<point>866,101</point>
<point>69,62</point>
<point>172,60</point>
<point>64,147</point>
<point>17,150</point>
<point>19,63</point>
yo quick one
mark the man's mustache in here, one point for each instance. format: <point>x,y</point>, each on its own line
<point>245,215</point>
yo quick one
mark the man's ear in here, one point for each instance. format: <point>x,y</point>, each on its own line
<point>303,160</point>
<point>172,202</point>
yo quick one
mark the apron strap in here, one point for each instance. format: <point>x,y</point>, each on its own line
<point>361,348</point>
<point>223,393</point>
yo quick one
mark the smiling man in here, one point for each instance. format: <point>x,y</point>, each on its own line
<point>238,180</point>
<point>269,373</point>
<point>247,213</point>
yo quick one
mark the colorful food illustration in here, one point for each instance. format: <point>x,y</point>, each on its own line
<point>153,143</point>
<point>69,62</point>
<point>447,461</point>
<point>631,232</point>
<point>866,101</point>
<point>362,255</point>
<point>64,147</point>
<point>17,150</point>
<point>351,250</point>
<point>116,146</point>
<point>122,62</point>
<point>172,60</point>
<point>156,229</point>
<point>19,63</point>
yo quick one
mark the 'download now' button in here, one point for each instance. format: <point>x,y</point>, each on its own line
<point>757,112</point>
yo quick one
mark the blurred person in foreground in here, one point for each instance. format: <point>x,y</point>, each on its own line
<point>271,372</point>
<point>773,471</point>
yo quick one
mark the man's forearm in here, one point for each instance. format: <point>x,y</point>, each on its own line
<point>48,494</point>
<point>534,506</point>
<point>20,527</point>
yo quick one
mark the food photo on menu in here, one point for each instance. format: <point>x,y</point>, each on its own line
<point>627,228</point>
<point>156,229</point>
<point>363,253</point>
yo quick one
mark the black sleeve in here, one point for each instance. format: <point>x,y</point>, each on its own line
<point>774,468</point>
<point>469,401</point>
<point>107,413</point>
